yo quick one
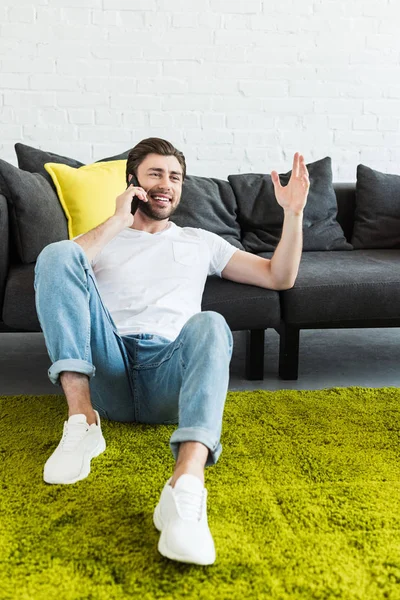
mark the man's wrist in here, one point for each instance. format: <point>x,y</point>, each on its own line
<point>291,213</point>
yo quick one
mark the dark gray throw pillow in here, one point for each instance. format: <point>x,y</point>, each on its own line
<point>33,160</point>
<point>209,204</point>
<point>261,217</point>
<point>377,213</point>
<point>36,215</point>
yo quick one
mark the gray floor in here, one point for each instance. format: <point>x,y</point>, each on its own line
<point>363,357</point>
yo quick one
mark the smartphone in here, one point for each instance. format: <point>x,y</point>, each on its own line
<point>135,202</point>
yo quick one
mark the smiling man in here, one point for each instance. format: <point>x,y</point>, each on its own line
<point>120,310</point>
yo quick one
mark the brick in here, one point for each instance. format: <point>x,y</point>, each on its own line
<point>388,124</point>
<point>71,50</point>
<point>32,133</point>
<point>104,116</point>
<point>29,98</point>
<point>161,119</point>
<point>359,139</point>
<point>315,89</point>
<point>382,108</point>
<point>369,57</point>
<point>182,68</point>
<point>209,136</point>
<point>111,84</point>
<point>53,82</point>
<point>108,17</point>
<point>188,119</point>
<point>21,14</point>
<point>239,22</point>
<point>81,99</point>
<point>252,139</point>
<point>84,67</point>
<point>76,16</point>
<point>176,6</point>
<point>162,85</point>
<point>391,140</point>
<point>365,122</point>
<point>137,5</point>
<point>339,106</point>
<point>103,132</point>
<point>6,114</point>
<point>213,121</point>
<point>114,52</point>
<point>264,89</point>
<point>11,133</point>
<point>393,91</point>
<point>339,122</point>
<point>186,102</point>
<point>137,102</point>
<point>14,81</point>
<point>136,69</point>
<point>52,116</point>
<point>81,116</point>
<point>47,16</point>
<point>133,119</point>
<point>184,20</point>
<point>78,3</point>
<point>213,86</point>
<point>236,6</point>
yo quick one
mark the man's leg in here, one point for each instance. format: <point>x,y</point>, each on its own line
<point>192,457</point>
<point>187,382</point>
<point>77,393</point>
<point>79,334</point>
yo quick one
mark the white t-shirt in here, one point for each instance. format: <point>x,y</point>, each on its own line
<point>154,282</point>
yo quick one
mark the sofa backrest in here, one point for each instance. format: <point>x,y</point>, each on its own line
<point>346,201</point>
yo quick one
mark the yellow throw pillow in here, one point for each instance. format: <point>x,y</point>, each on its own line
<point>88,194</point>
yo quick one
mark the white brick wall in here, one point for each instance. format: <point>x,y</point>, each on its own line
<point>238,85</point>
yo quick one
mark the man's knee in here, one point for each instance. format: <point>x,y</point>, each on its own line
<point>53,252</point>
<point>210,324</point>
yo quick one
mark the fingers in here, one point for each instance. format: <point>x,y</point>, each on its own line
<point>296,164</point>
<point>275,179</point>
<point>139,192</point>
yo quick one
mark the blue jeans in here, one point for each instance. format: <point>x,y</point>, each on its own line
<point>140,378</point>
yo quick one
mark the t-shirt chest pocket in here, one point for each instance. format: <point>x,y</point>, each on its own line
<point>186,253</point>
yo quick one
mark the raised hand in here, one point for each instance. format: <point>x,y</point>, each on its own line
<point>293,196</point>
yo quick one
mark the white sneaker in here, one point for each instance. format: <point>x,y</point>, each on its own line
<point>181,516</point>
<point>70,461</point>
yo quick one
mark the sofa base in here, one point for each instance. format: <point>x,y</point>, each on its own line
<point>290,340</point>
<point>254,369</point>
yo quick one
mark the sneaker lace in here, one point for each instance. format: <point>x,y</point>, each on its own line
<point>73,434</point>
<point>189,504</point>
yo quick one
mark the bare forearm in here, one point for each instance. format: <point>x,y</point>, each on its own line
<point>286,259</point>
<point>94,240</point>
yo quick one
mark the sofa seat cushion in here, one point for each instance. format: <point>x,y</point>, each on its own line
<point>243,306</point>
<point>19,309</point>
<point>335,287</point>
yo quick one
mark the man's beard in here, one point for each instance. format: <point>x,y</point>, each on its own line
<point>155,213</point>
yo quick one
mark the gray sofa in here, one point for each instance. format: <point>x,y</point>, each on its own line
<point>335,288</point>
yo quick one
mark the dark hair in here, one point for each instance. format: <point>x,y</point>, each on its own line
<point>152,146</point>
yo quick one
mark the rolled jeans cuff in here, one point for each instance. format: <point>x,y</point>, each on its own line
<point>70,364</point>
<point>196,434</point>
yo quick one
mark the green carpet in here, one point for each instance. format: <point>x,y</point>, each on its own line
<point>303,504</point>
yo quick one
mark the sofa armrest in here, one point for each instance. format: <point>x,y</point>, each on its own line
<point>4,249</point>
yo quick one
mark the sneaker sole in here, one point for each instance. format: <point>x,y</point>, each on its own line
<point>166,552</point>
<point>85,466</point>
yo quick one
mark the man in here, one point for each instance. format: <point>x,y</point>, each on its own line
<point>123,301</point>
